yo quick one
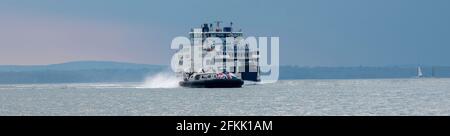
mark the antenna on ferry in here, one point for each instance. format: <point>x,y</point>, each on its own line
<point>231,24</point>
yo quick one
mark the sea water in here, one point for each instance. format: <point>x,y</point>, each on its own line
<point>428,96</point>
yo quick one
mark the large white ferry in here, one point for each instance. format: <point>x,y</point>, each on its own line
<point>215,70</point>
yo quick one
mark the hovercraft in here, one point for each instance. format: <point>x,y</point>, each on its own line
<point>212,80</point>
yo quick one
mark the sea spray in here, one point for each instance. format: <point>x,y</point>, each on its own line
<point>249,83</point>
<point>161,80</point>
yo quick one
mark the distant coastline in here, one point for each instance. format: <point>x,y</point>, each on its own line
<point>106,71</point>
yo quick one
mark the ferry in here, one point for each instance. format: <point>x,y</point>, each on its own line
<point>216,73</point>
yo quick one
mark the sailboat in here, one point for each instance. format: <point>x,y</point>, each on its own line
<point>419,72</point>
<point>433,74</point>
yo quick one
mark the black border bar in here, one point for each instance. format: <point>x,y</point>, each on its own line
<point>280,124</point>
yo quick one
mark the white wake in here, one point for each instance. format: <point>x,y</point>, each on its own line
<point>161,80</point>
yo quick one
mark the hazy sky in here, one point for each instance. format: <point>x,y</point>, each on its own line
<point>312,32</point>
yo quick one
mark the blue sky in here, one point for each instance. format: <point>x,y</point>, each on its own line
<point>312,32</point>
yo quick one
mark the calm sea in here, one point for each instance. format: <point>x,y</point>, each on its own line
<point>428,96</point>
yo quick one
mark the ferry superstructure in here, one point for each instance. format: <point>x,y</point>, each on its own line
<point>245,61</point>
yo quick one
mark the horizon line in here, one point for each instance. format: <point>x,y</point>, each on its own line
<point>283,65</point>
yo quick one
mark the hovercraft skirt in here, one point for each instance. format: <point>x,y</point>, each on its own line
<point>215,83</point>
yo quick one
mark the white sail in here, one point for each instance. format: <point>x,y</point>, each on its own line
<point>419,72</point>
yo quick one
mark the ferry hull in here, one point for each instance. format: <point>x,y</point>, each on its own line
<point>215,83</point>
